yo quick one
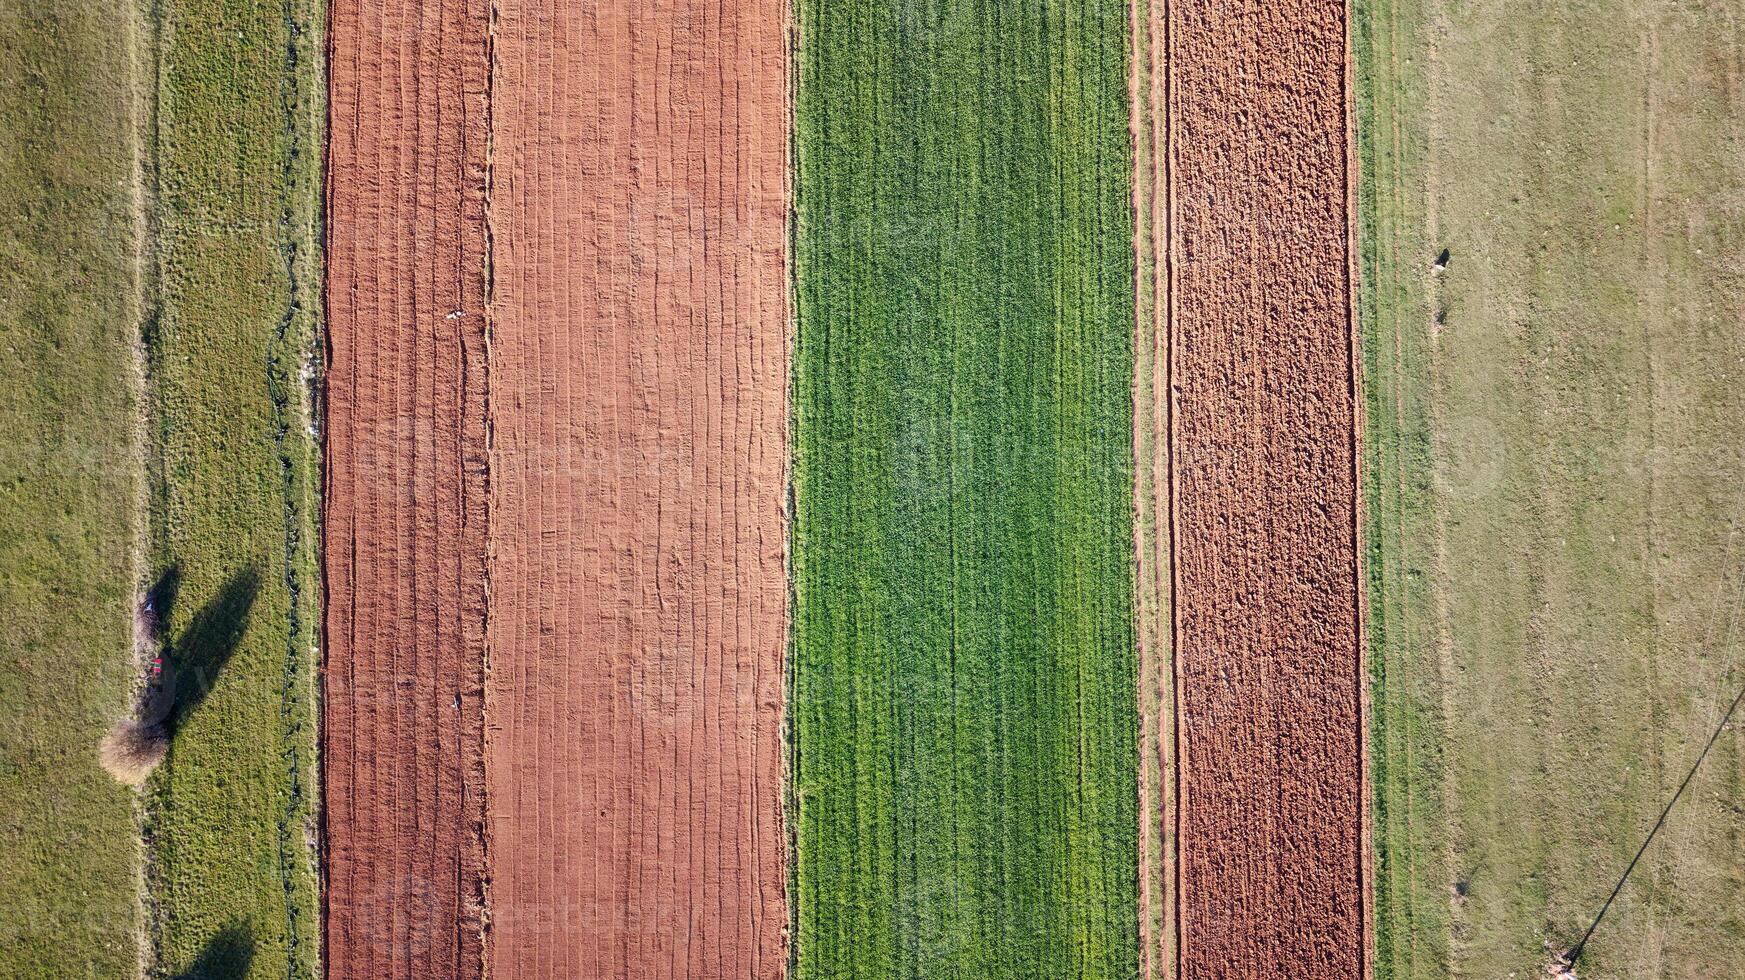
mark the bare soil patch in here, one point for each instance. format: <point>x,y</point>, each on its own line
<point>1267,811</point>
<point>403,734</point>
<point>556,571</point>
<point>639,380</point>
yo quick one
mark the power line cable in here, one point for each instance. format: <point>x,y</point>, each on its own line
<point>1575,953</point>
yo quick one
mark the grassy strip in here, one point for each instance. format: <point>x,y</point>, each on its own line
<point>1556,566</point>
<point>1412,880</point>
<point>70,474</point>
<point>231,870</point>
<point>964,714</point>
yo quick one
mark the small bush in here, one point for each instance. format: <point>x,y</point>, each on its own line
<point>133,749</point>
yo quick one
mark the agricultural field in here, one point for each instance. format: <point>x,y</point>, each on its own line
<point>556,491</point>
<point>404,478</point>
<point>1553,481</point>
<point>1267,819</point>
<point>234,157</point>
<point>158,372</point>
<point>888,489</point>
<point>962,703</point>
<point>71,485</point>
<point>639,617</point>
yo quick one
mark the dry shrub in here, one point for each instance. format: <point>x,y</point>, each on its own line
<point>133,749</point>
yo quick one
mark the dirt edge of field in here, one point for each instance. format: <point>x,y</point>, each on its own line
<point>1359,423</point>
<point>1151,525</point>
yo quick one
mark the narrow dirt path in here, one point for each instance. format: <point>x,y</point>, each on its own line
<point>1147,97</point>
<point>1261,426</point>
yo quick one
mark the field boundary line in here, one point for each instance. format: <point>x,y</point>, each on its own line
<point>1156,926</point>
<point>288,357</point>
<point>1170,271</point>
<point>488,559</point>
<point>1359,591</point>
<point>790,745</point>
<point>142,19</point>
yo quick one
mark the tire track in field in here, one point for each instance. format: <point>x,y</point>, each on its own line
<point>1261,427</point>
<point>405,487</point>
<point>639,399</point>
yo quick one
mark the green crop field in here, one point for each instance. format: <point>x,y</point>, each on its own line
<point>964,715</point>
<point>1555,481</point>
<point>236,166</point>
<point>70,485</point>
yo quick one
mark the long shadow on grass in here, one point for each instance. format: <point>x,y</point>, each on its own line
<point>158,602</point>
<point>192,664</point>
<point>226,957</point>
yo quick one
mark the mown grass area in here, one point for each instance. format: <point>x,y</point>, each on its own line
<point>70,481</point>
<point>1555,481</point>
<point>1411,874</point>
<point>231,870</point>
<point>963,707</point>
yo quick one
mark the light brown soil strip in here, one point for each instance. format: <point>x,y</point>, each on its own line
<point>1151,528</point>
<point>405,489</point>
<point>1261,433</point>
<point>639,397</point>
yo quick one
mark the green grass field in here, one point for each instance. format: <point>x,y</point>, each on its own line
<point>163,164</point>
<point>964,713</point>
<point>1555,481</point>
<point>70,485</point>
<point>237,156</point>
<point>1413,880</point>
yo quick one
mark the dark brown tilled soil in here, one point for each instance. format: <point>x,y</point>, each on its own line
<point>1268,814</point>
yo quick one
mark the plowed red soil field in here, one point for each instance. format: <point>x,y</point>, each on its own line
<point>557,597</point>
<point>639,379</point>
<point>1266,813</point>
<point>403,676</point>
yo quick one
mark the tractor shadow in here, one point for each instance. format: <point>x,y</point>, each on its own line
<point>227,956</point>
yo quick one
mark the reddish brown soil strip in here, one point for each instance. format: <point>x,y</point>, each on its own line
<point>405,487</point>
<point>639,397</point>
<point>1261,430</point>
<point>618,566</point>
